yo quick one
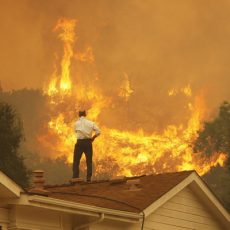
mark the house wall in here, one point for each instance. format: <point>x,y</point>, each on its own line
<point>25,217</point>
<point>4,219</point>
<point>114,225</point>
<point>183,211</point>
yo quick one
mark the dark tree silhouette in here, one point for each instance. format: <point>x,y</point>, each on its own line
<point>215,136</point>
<point>11,136</point>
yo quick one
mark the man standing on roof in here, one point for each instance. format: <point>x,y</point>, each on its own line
<point>86,131</point>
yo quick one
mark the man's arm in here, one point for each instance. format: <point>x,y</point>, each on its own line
<point>96,130</point>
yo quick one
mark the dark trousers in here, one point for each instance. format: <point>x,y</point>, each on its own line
<point>83,146</point>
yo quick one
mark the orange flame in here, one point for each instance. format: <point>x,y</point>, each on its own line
<point>118,151</point>
<point>68,37</point>
<point>187,91</point>
<point>125,89</point>
<point>86,56</point>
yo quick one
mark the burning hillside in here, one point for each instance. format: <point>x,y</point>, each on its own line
<point>117,150</point>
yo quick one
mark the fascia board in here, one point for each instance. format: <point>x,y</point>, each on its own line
<point>14,189</point>
<point>76,208</point>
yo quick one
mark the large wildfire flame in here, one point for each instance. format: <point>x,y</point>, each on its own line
<point>118,152</point>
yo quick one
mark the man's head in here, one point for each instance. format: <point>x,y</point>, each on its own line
<point>82,113</point>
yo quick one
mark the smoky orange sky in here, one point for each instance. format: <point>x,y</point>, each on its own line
<point>160,44</point>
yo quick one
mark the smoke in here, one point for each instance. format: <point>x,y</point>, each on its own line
<point>158,44</point>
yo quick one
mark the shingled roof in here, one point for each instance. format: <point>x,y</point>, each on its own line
<point>118,196</point>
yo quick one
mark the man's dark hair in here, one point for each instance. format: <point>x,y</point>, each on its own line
<point>82,113</point>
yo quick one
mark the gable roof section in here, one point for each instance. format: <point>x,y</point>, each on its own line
<point>199,187</point>
<point>118,196</point>
<point>8,188</point>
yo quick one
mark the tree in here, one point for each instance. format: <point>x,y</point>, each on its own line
<point>215,136</point>
<point>11,135</point>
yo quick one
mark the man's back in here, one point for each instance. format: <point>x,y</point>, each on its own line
<point>84,128</point>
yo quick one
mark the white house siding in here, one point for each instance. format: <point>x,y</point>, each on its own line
<point>183,211</point>
<point>24,217</point>
<point>114,225</point>
<point>66,221</point>
<point>4,218</point>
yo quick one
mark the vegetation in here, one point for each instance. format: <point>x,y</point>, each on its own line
<point>215,137</point>
<point>11,135</point>
<point>57,170</point>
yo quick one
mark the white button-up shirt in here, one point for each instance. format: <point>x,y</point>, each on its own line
<point>84,128</point>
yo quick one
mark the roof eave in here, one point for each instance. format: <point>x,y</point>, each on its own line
<point>76,208</point>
